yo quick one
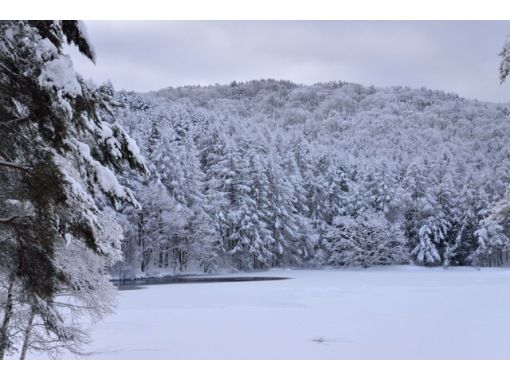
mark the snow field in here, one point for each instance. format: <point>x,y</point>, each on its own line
<point>401,312</point>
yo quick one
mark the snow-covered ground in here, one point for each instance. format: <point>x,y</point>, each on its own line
<point>380,313</point>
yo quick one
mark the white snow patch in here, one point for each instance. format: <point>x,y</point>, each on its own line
<point>106,178</point>
<point>68,238</point>
<point>134,149</point>
<point>46,50</point>
<point>59,74</point>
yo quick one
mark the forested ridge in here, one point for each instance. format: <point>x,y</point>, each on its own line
<point>270,173</point>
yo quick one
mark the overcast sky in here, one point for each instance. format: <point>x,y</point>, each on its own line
<point>454,56</point>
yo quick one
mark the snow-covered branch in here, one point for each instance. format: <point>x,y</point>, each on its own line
<point>9,219</point>
<point>13,121</point>
<point>14,166</point>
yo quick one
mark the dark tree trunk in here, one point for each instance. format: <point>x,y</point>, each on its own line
<point>4,330</point>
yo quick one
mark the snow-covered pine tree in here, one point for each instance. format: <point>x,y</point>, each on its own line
<point>431,240</point>
<point>493,243</point>
<point>282,218</point>
<point>59,154</point>
<point>306,244</point>
<point>248,238</point>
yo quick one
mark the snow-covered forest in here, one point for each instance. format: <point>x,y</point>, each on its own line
<point>269,173</point>
<point>97,183</point>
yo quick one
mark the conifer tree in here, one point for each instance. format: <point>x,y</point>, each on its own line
<point>60,148</point>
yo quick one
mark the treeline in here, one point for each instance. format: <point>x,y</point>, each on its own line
<point>269,173</point>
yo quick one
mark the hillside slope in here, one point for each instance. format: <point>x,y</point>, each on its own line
<point>270,173</point>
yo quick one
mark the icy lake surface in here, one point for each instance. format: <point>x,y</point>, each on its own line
<point>383,313</point>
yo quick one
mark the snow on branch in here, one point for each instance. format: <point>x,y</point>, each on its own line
<point>105,178</point>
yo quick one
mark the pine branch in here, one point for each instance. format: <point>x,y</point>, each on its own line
<point>2,66</point>
<point>18,120</point>
<point>9,219</point>
<point>14,166</point>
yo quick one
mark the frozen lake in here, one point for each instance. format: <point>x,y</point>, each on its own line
<point>381,313</point>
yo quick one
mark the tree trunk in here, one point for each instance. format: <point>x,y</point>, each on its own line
<point>4,330</point>
<point>26,338</point>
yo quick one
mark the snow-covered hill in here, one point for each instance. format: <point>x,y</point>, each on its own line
<point>269,173</point>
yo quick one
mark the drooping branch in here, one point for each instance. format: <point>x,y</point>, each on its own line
<point>13,121</point>
<point>14,166</point>
<point>9,219</point>
<point>3,67</point>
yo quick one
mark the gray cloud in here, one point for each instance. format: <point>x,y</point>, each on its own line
<point>456,56</point>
